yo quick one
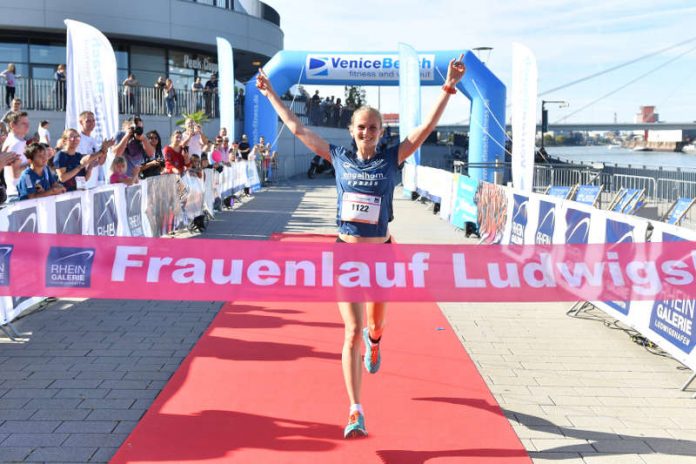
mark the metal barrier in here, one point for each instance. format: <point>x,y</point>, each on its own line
<point>619,181</point>
<point>48,95</point>
<point>671,189</point>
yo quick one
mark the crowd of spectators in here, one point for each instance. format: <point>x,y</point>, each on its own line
<point>164,98</point>
<point>326,111</point>
<point>32,167</point>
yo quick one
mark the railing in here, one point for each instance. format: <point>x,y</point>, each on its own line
<point>48,95</point>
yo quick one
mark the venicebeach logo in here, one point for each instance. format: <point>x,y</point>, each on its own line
<point>363,67</point>
<point>318,67</point>
<point>69,267</point>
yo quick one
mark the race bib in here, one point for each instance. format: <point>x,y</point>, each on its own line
<point>358,207</point>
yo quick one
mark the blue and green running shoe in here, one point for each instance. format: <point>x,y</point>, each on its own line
<point>356,426</point>
<point>373,357</point>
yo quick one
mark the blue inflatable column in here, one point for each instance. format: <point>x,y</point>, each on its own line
<point>487,121</point>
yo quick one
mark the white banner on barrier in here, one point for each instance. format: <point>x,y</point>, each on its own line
<point>669,323</point>
<point>621,228</point>
<point>107,212</point>
<point>30,216</point>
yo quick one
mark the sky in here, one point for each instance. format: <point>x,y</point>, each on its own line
<point>571,39</point>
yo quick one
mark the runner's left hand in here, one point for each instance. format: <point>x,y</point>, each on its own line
<point>456,71</point>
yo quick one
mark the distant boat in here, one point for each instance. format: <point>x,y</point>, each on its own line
<point>690,148</point>
<point>641,148</point>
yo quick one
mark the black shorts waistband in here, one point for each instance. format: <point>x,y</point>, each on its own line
<point>338,240</point>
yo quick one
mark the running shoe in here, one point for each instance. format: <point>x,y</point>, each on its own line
<point>373,357</point>
<point>356,426</point>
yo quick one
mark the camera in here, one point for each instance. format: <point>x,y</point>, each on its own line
<point>137,130</point>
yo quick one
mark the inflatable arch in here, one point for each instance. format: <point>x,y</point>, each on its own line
<point>480,85</point>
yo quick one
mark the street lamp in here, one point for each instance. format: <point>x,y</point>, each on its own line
<point>545,117</point>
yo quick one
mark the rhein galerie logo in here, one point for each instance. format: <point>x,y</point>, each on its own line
<point>69,267</point>
<point>5,254</point>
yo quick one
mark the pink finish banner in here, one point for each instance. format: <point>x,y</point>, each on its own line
<point>224,270</point>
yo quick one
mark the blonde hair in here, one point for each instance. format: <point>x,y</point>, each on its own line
<point>369,109</point>
<point>118,161</point>
<point>66,133</point>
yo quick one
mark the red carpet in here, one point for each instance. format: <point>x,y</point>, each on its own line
<point>264,385</point>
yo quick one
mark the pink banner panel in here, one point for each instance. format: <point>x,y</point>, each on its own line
<point>225,270</point>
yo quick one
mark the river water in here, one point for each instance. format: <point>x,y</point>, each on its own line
<point>624,157</point>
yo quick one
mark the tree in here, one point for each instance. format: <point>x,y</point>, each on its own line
<point>355,95</point>
<point>199,117</point>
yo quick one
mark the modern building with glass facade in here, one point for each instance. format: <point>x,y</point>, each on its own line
<point>151,38</point>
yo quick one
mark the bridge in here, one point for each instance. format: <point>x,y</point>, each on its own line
<point>589,126</point>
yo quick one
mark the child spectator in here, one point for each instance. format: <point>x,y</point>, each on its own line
<point>195,169</point>
<point>37,180</point>
<point>118,172</point>
<point>205,163</point>
<point>218,152</point>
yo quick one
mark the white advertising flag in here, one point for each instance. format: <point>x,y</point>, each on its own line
<point>523,99</point>
<point>226,85</point>
<point>409,107</point>
<point>91,80</point>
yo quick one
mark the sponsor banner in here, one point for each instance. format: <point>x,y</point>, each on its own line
<point>69,267</point>
<point>69,217</point>
<point>409,105</point>
<point>463,206</point>
<point>363,67</point>
<point>522,218</point>
<point>24,218</point>
<point>105,213</point>
<point>27,217</point>
<point>226,86</point>
<point>619,229</point>
<point>577,226</point>
<point>549,209</point>
<point>524,104</point>
<point>670,321</point>
<point>134,210</point>
<point>143,268</point>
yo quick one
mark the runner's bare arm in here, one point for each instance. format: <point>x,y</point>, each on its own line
<point>415,139</point>
<point>315,143</point>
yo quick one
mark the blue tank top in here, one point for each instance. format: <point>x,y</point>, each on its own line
<point>365,190</point>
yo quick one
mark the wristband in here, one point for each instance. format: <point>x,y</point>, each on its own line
<point>449,89</point>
